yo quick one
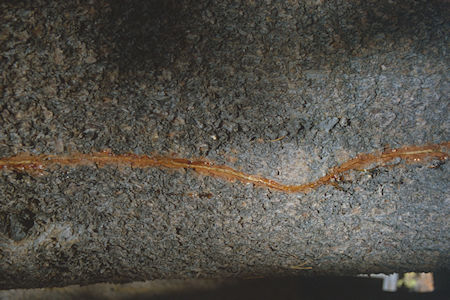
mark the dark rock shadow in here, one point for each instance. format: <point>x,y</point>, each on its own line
<point>146,34</point>
<point>152,34</point>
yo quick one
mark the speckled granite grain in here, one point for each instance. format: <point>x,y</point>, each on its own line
<point>283,89</point>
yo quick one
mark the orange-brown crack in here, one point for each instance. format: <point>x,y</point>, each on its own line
<point>39,163</point>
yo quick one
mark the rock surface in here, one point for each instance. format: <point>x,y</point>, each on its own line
<point>283,89</point>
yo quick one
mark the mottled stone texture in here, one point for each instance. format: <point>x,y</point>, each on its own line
<point>284,89</point>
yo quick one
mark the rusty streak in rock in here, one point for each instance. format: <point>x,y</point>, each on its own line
<point>39,163</point>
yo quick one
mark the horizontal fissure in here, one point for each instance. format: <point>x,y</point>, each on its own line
<point>39,163</point>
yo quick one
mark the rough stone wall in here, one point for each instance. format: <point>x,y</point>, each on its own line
<point>282,89</point>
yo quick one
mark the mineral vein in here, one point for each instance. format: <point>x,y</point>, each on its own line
<point>39,163</point>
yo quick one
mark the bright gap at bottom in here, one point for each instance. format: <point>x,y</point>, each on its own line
<point>415,282</point>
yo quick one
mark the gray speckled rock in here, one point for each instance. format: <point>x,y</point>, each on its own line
<point>281,89</point>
